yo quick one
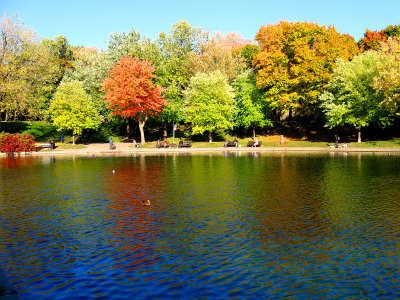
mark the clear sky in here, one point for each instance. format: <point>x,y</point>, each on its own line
<point>89,23</point>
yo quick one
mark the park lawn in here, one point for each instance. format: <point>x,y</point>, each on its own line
<point>267,142</point>
<point>70,146</point>
<point>394,143</point>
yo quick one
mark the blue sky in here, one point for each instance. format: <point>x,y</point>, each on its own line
<point>89,23</point>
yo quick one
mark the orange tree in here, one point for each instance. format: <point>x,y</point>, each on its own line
<point>296,61</point>
<point>130,92</point>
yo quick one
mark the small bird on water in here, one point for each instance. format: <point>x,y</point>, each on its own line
<point>146,202</point>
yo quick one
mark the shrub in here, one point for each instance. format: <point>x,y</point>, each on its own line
<point>11,143</point>
<point>27,142</point>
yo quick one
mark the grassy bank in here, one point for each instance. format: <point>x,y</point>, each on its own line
<point>274,141</point>
<point>43,131</point>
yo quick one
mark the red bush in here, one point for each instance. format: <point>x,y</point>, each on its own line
<point>11,143</point>
<point>27,142</point>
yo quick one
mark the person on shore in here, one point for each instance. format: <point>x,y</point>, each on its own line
<point>180,143</point>
<point>337,139</point>
<point>255,142</point>
<point>236,142</point>
<point>62,138</point>
<point>158,144</point>
<point>166,144</point>
<point>226,143</point>
<point>135,144</point>
<point>52,144</point>
<point>112,146</point>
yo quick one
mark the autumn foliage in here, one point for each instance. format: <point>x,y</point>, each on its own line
<point>15,143</point>
<point>296,60</point>
<point>129,90</point>
<point>388,81</point>
<point>371,41</point>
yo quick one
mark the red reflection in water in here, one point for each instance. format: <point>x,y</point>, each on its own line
<point>17,161</point>
<point>134,223</point>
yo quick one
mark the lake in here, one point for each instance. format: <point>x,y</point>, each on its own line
<point>220,226</point>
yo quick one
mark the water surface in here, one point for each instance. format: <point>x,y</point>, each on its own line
<point>220,226</point>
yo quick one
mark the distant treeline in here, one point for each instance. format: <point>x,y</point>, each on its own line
<point>292,75</point>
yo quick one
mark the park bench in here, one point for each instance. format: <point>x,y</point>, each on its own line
<point>43,146</point>
<point>185,145</point>
<point>230,144</point>
<point>161,145</point>
<point>251,143</point>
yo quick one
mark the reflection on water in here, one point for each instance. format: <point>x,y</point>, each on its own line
<point>230,225</point>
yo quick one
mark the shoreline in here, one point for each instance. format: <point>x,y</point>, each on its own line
<point>124,148</point>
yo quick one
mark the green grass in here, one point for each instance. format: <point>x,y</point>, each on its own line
<point>395,143</point>
<point>70,146</point>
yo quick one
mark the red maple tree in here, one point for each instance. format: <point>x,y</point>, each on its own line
<point>372,40</point>
<point>130,92</point>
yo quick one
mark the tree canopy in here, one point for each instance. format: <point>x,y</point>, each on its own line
<point>216,55</point>
<point>351,97</point>
<point>295,62</point>
<point>130,93</point>
<point>388,79</point>
<point>209,103</point>
<point>27,71</point>
<point>72,109</point>
<point>276,79</point>
<point>252,109</point>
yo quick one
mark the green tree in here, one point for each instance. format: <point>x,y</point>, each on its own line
<point>60,49</point>
<point>248,52</point>
<point>90,67</point>
<point>252,109</point>
<point>172,73</point>
<point>209,103</point>
<point>133,44</point>
<point>72,109</point>
<point>351,98</point>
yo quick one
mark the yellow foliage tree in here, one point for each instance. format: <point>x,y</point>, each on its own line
<point>26,69</point>
<point>388,81</point>
<point>296,61</point>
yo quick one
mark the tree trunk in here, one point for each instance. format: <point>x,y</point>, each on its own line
<point>128,131</point>
<point>210,136</point>
<point>142,121</point>
<point>165,130</point>
<point>6,116</point>
<point>73,138</point>
<point>254,132</point>
<point>359,135</point>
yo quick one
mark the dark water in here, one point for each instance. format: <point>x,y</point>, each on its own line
<point>245,226</point>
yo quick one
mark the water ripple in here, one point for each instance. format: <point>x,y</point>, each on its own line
<point>218,228</point>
